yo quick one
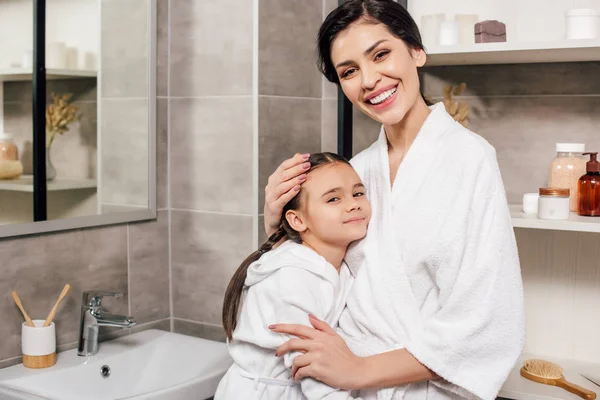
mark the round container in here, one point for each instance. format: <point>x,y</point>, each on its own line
<point>38,344</point>
<point>449,33</point>
<point>582,23</point>
<point>566,169</point>
<point>553,203</point>
<point>530,203</point>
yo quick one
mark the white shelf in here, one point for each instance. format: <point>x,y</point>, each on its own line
<point>517,387</point>
<point>25,184</point>
<point>25,74</point>
<point>514,53</point>
<point>575,222</point>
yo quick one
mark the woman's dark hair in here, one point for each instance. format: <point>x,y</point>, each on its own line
<point>387,12</point>
<point>233,294</point>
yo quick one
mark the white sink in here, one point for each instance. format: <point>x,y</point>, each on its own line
<point>150,365</point>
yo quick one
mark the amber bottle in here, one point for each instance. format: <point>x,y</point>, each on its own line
<point>588,190</point>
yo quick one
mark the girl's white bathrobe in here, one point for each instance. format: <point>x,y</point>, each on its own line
<point>441,275</point>
<point>284,286</point>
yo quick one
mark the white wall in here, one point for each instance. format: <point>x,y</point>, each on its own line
<point>526,20</point>
<point>75,22</point>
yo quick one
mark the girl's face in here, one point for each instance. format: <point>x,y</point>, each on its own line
<point>377,71</point>
<point>334,207</point>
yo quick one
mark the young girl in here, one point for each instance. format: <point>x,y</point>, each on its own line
<point>305,275</point>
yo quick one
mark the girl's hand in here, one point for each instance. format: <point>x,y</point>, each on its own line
<point>327,357</point>
<point>282,186</point>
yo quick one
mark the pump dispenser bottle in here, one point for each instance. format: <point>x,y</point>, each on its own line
<point>588,192</point>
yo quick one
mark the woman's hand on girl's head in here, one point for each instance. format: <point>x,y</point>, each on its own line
<point>326,356</point>
<point>282,186</point>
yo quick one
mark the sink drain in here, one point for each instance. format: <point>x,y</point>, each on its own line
<point>105,371</point>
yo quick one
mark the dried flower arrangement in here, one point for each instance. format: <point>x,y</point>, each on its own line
<point>59,115</point>
<point>457,110</point>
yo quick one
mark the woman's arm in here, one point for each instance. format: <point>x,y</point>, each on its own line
<point>328,359</point>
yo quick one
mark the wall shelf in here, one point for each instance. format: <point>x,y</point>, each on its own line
<point>25,74</point>
<point>517,387</point>
<point>514,53</point>
<point>25,184</point>
<point>575,222</point>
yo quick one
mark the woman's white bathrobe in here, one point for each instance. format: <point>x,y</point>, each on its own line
<point>283,286</point>
<point>441,275</point>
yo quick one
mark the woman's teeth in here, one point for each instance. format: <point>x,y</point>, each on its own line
<point>382,97</point>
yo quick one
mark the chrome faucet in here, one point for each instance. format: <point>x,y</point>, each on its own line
<point>92,317</point>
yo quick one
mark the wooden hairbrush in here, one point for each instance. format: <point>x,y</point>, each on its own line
<point>548,373</point>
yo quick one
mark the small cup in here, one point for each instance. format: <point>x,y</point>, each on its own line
<point>38,344</point>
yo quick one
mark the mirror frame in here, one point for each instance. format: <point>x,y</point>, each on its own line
<point>32,228</point>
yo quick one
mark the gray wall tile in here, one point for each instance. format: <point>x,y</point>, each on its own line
<point>124,48</point>
<point>38,267</point>
<point>163,325</point>
<point>212,154</point>
<point>206,251</point>
<point>149,269</point>
<point>329,113</point>
<point>211,47</point>
<point>162,48</point>
<point>124,135</point>
<point>201,330</point>
<point>287,36</point>
<point>162,152</point>
<point>286,126</point>
<point>365,131</point>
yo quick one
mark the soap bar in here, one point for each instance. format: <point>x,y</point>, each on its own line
<point>490,31</point>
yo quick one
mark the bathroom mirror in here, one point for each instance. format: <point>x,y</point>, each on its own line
<point>100,144</point>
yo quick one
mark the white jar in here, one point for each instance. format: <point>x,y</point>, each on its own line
<point>449,33</point>
<point>582,23</point>
<point>553,203</point>
<point>530,203</point>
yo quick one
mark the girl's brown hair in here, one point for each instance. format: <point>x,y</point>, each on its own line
<point>233,294</point>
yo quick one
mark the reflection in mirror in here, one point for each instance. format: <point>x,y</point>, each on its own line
<point>97,107</point>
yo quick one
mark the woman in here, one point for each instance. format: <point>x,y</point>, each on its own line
<point>436,312</point>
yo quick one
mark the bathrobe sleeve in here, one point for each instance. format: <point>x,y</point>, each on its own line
<point>302,293</point>
<point>475,338</point>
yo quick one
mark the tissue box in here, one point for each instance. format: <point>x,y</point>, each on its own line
<point>490,32</point>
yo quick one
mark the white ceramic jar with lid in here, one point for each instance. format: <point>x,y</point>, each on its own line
<point>553,203</point>
<point>582,23</point>
<point>566,169</point>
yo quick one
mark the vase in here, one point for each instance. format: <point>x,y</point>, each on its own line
<point>50,170</point>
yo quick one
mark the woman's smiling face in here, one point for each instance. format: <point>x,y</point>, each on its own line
<point>377,71</point>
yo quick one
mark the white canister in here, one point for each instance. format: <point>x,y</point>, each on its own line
<point>553,203</point>
<point>530,203</point>
<point>449,33</point>
<point>56,55</point>
<point>430,28</point>
<point>582,23</point>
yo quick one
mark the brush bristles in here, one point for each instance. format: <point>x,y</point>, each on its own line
<point>543,369</point>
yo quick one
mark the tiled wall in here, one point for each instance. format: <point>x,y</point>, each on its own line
<point>209,104</point>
